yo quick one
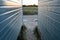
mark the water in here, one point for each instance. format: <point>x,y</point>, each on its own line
<point>30,21</point>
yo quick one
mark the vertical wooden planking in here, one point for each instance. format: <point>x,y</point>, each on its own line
<point>10,19</point>
<point>49,19</point>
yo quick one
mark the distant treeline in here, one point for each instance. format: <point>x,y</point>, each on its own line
<point>30,5</point>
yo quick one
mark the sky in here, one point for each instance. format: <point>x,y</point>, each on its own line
<point>13,2</point>
<point>30,2</point>
<point>19,2</point>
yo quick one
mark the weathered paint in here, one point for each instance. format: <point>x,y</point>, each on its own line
<point>49,19</point>
<point>10,20</point>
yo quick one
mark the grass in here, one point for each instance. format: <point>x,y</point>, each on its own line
<point>30,10</point>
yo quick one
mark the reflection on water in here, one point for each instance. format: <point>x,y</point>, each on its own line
<point>30,21</point>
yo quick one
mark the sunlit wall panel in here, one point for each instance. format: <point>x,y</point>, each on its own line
<point>10,19</point>
<point>49,19</point>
